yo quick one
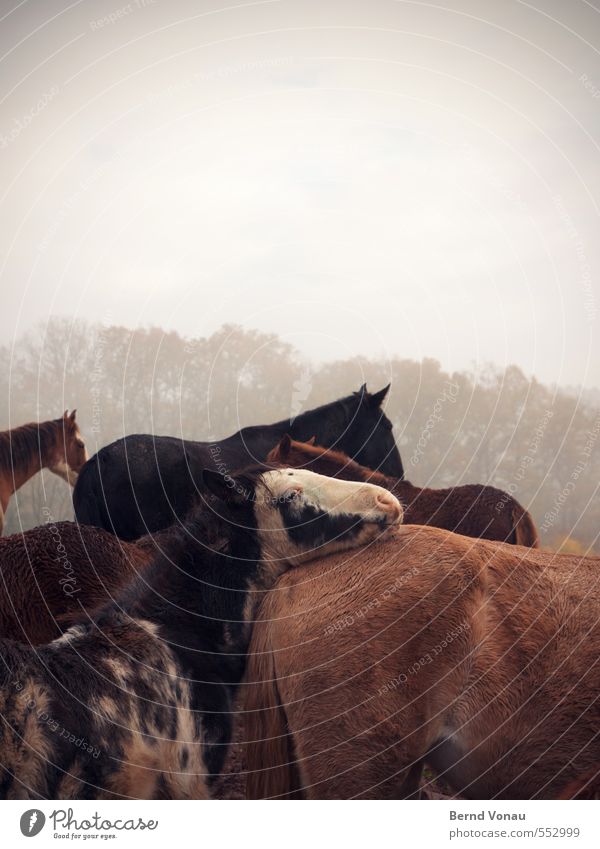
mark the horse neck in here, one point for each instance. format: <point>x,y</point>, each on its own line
<point>344,468</point>
<point>372,476</point>
<point>202,600</point>
<point>311,423</point>
<point>26,450</point>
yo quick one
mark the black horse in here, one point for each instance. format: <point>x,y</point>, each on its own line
<point>143,483</point>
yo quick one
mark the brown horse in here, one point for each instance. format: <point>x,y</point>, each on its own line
<point>477,659</point>
<point>53,573</point>
<point>55,445</point>
<point>585,787</point>
<point>472,510</point>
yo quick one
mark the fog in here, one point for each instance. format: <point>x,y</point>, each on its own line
<point>386,179</point>
<point>495,426</point>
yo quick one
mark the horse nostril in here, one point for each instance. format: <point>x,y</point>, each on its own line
<point>389,504</point>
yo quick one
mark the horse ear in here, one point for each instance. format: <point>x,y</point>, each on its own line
<point>285,444</point>
<point>224,487</point>
<point>72,416</point>
<point>363,390</point>
<point>311,441</point>
<point>376,399</point>
<point>65,415</point>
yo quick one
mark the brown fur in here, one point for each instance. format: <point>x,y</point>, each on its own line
<point>50,574</point>
<point>475,658</point>
<point>585,787</point>
<point>56,445</point>
<point>472,510</point>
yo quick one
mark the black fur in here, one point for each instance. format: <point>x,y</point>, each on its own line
<point>143,483</point>
<point>314,527</point>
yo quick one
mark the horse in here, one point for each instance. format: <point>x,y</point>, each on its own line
<point>24,451</point>
<point>144,483</point>
<point>52,573</point>
<point>474,658</point>
<point>134,701</point>
<point>473,510</point>
<point>585,787</point>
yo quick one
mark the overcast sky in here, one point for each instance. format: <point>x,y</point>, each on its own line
<point>418,179</point>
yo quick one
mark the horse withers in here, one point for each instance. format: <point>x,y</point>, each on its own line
<point>144,483</point>
<point>135,701</point>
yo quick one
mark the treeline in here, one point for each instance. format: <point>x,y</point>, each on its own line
<point>538,442</point>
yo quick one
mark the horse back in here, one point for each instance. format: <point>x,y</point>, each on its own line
<point>473,510</point>
<point>58,571</point>
<point>144,483</point>
<point>115,733</point>
<point>346,678</point>
<point>478,658</point>
<point>138,484</point>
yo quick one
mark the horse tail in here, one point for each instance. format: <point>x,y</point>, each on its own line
<point>88,499</point>
<point>524,531</point>
<point>269,756</point>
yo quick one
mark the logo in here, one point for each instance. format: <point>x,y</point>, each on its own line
<point>32,822</point>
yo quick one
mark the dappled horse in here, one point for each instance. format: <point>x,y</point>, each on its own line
<point>144,483</point>
<point>135,701</point>
<point>55,445</point>
<point>477,659</point>
<point>471,509</point>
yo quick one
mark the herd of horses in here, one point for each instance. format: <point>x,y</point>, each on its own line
<point>282,613</point>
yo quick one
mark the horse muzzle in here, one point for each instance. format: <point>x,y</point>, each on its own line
<point>387,509</point>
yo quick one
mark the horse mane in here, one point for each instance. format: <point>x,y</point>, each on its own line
<point>329,456</point>
<point>20,445</point>
<point>312,421</point>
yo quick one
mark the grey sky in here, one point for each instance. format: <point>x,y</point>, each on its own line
<point>369,177</point>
